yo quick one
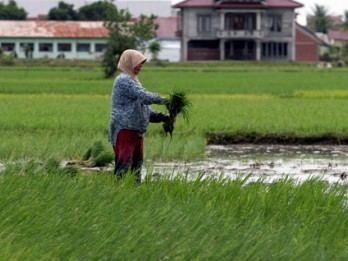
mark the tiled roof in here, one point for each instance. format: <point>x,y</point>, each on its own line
<point>263,4</point>
<point>282,3</point>
<point>338,35</point>
<point>53,29</point>
<point>195,3</point>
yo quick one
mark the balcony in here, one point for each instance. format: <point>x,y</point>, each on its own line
<point>237,34</point>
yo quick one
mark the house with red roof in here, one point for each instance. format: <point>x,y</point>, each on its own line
<point>260,30</point>
<point>338,37</point>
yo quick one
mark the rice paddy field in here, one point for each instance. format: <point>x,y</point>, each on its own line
<point>51,113</point>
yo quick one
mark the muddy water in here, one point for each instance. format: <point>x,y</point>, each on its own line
<point>268,162</point>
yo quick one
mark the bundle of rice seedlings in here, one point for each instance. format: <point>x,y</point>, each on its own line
<point>177,103</point>
<point>95,156</point>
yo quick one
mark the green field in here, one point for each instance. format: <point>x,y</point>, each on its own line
<point>60,111</point>
<point>51,113</point>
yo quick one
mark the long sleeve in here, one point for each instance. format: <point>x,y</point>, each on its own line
<point>156,117</point>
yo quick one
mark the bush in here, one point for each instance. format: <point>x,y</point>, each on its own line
<point>7,59</point>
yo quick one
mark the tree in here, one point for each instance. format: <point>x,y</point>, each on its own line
<point>63,12</point>
<point>321,19</point>
<point>155,48</point>
<point>144,30</point>
<point>11,11</point>
<point>345,20</point>
<point>97,11</point>
<point>345,50</point>
<point>125,34</point>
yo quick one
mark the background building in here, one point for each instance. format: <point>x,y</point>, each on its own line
<point>260,30</point>
<point>53,39</point>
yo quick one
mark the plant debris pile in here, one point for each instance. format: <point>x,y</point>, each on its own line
<point>177,103</point>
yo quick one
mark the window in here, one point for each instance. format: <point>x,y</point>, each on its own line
<point>204,23</point>
<point>64,47</point>
<point>275,23</point>
<point>275,50</point>
<point>8,47</point>
<point>83,47</point>
<point>26,47</point>
<point>45,47</point>
<point>99,48</point>
<point>238,22</point>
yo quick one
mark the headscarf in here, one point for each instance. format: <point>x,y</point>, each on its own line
<point>129,60</point>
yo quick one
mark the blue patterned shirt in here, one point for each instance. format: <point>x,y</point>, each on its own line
<point>130,108</point>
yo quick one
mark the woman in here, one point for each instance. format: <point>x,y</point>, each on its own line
<point>130,114</point>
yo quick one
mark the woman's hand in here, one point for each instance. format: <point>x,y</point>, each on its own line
<point>165,100</point>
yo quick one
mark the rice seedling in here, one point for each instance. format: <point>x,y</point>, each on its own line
<point>95,156</point>
<point>177,103</point>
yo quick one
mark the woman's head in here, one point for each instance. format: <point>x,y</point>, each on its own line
<point>131,62</point>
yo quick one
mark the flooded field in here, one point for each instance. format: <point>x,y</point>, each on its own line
<point>269,162</point>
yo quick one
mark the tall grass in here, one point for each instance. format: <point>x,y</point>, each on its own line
<point>51,215</point>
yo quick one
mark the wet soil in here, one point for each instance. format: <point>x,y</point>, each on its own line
<point>225,138</point>
<point>266,162</point>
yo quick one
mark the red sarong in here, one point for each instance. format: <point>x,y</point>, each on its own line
<point>129,153</point>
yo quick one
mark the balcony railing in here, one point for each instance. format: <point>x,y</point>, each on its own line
<point>239,34</point>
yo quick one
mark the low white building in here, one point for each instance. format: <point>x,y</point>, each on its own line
<point>53,39</point>
<point>74,39</point>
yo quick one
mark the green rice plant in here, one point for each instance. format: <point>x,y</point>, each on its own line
<point>57,111</point>
<point>94,216</point>
<point>96,156</point>
<point>177,103</point>
<point>52,165</point>
<point>322,94</point>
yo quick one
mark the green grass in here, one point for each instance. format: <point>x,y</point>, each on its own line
<point>61,111</point>
<point>37,126</point>
<point>51,112</point>
<point>48,215</point>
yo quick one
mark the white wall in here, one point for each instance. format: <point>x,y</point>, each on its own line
<point>53,54</point>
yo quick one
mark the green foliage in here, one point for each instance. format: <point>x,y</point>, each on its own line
<point>11,11</point>
<point>345,20</point>
<point>63,11</point>
<point>155,48</point>
<point>144,29</point>
<point>6,59</point>
<point>320,21</point>
<point>345,51</point>
<point>97,11</point>
<point>125,34</point>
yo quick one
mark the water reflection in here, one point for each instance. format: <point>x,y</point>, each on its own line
<point>269,162</point>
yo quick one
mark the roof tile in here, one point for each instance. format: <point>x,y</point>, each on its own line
<point>265,3</point>
<point>56,29</point>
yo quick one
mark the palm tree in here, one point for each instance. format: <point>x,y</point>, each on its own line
<point>320,21</point>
